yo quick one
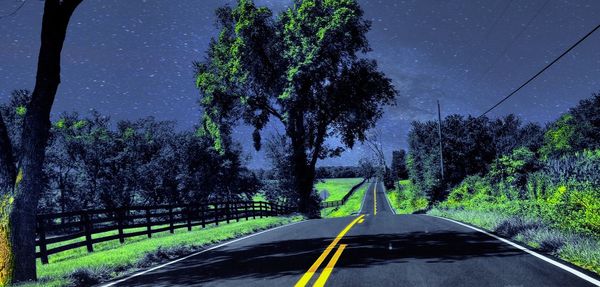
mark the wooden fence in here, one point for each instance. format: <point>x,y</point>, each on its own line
<point>70,226</point>
<point>344,199</point>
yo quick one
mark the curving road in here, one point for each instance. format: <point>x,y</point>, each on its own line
<point>375,248</point>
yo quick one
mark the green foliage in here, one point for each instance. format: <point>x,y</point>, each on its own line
<point>549,199</point>
<point>301,68</point>
<point>558,138</point>
<point>21,111</point>
<point>470,147</point>
<point>514,168</point>
<point>407,198</point>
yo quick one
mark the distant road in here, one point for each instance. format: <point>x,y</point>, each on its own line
<point>375,248</point>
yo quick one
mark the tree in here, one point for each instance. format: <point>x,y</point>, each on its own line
<point>577,130</point>
<point>21,179</point>
<point>398,167</point>
<point>302,69</point>
<point>367,168</point>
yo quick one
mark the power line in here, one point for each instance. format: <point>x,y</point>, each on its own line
<point>15,11</point>
<point>513,41</point>
<point>541,71</point>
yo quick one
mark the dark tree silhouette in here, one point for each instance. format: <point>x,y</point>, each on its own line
<point>21,179</point>
<point>398,167</point>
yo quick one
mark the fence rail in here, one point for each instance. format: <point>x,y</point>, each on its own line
<point>342,201</point>
<point>69,226</point>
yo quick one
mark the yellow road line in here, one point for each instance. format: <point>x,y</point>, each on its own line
<point>329,268</point>
<point>311,271</point>
<point>361,220</point>
<point>375,199</point>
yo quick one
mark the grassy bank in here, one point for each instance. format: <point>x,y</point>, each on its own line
<point>113,259</point>
<point>581,250</point>
<point>336,188</point>
<point>406,198</point>
<point>559,221</point>
<point>352,206</point>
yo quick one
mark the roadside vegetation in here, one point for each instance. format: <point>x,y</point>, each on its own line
<point>335,188</point>
<point>538,186</point>
<point>405,198</point>
<point>111,259</point>
<point>351,207</point>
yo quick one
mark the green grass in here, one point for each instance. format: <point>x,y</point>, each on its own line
<point>116,256</point>
<point>581,250</point>
<point>336,187</point>
<point>352,206</point>
<point>405,199</point>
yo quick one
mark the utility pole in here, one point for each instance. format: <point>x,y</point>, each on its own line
<point>440,136</point>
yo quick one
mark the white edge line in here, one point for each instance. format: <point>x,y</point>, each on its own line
<point>540,256</point>
<point>388,200</point>
<point>197,253</point>
<point>362,204</point>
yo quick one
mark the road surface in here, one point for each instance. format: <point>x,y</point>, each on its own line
<point>375,248</point>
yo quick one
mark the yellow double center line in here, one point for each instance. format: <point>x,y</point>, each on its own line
<point>313,268</point>
<point>375,199</point>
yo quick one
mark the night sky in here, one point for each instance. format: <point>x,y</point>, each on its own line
<point>132,58</point>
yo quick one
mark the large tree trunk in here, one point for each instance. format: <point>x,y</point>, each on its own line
<point>29,180</point>
<point>304,171</point>
<point>7,182</point>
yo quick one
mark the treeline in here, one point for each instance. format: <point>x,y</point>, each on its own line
<point>321,172</point>
<point>91,163</point>
<point>470,146</point>
<point>476,145</point>
<point>550,173</point>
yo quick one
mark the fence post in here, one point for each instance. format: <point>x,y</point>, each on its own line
<point>42,241</point>
<point>237,212</point>
<point>120,216</point>
<point>216,214</point>
<point>188,212</point>
<point>148,223</point>
<point>260,209</point>
<point>253,210</point>
<point>227,212</point>
<point>246,210</point>
<point>171,225</point>
<point>87,229</point>
<point>203,215</point>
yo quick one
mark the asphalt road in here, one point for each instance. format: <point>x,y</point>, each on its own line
<point>375,248</point>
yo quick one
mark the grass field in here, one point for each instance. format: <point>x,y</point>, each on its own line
<point>336,187</point>
<point>352,206</point>
<point>115,259</point>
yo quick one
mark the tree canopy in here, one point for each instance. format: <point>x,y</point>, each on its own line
<point>302,68</point>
